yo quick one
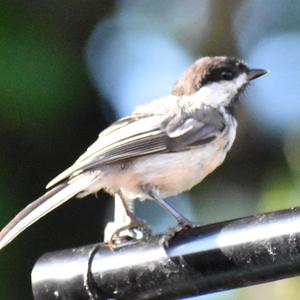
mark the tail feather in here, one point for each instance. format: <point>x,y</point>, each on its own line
<point>40,207</point>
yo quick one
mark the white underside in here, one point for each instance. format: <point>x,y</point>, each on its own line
<point>170,173</point>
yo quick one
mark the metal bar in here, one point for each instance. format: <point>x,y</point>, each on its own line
<point>216,257</point>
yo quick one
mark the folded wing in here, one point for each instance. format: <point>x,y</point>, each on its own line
<point>141,134</point>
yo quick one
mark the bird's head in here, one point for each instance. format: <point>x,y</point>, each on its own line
<point>216,80</point>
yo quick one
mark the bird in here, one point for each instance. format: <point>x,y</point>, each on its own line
<point>164,148</point>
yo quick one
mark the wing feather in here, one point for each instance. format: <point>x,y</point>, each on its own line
<point>140,135</point>
<point>132,130</point>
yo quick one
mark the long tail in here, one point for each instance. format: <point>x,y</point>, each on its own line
<point>40,207</point>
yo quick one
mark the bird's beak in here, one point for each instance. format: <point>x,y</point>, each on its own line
<point>255,73</point>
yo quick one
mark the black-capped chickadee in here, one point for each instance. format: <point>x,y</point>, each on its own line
<point>163,148</point>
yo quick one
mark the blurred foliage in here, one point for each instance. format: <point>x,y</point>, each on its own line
<point>280,190</point>
<point>41,76</point>
<point>7,208</point>
<point>283,289</point>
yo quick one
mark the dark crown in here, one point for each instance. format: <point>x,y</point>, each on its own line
<point>206,70</point>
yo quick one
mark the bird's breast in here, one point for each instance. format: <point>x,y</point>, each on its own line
<point>173,173</point>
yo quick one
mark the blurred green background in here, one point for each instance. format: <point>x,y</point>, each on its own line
<point>69,68</point>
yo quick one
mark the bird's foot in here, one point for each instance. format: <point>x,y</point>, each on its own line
<point>125,235</point>
<point>182,226</point>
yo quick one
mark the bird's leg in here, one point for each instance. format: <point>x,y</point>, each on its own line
<point>126,225</point>
<point>182,222</point>
<point>180,219</point>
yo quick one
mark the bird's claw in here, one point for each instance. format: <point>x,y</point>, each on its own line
<point>136,230</point>
<point>182,226</point>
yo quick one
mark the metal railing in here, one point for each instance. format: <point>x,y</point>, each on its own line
<point>206,259</point>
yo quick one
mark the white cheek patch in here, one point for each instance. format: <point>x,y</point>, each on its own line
<point>222,92</point>
<point>240,80</point>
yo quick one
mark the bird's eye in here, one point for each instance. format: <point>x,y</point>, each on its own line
<point>227,75</point>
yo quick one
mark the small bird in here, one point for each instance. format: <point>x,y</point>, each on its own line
<point>163,148</point>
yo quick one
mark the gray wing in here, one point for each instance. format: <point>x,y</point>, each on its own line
<point>142,134</point>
